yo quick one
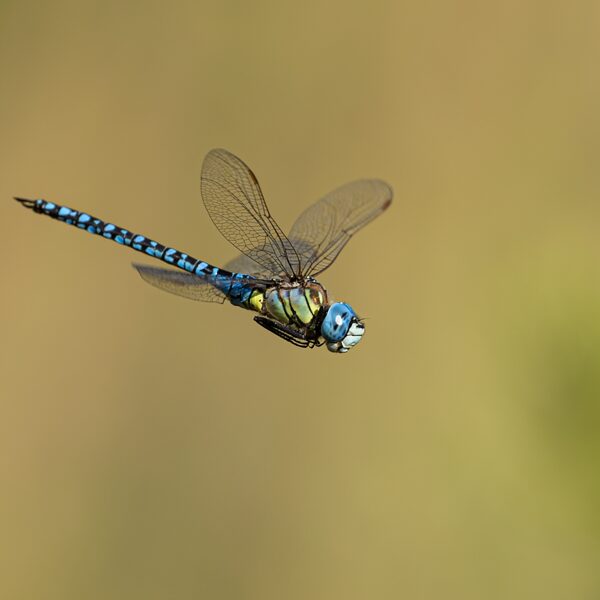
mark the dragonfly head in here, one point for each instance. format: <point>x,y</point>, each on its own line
<point>341,328</point>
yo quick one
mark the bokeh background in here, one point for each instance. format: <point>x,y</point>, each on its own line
<point>152,447</point>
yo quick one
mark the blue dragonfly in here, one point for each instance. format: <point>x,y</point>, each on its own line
<point>275,274</point>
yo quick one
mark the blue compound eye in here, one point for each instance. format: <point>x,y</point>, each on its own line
<point>337,322</point>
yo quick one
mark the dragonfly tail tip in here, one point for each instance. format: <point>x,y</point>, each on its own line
<point>25,202</point>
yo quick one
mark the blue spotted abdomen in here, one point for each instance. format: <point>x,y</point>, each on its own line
<point>115,233</point>
<point>235,286</point>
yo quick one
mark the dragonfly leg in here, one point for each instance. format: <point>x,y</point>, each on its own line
<point>289,334</point>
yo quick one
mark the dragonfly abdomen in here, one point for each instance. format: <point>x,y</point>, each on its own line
<point>117,234</point>
<point>233,285</point>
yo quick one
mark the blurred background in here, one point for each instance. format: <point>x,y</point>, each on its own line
<point>152,447</point>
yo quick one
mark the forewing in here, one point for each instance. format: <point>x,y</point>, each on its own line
<point>322,230</point>
<point>180,283</point>
<point>236,205</point>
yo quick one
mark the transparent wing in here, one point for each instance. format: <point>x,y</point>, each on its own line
<point>191,286</point>
<point>236,205</point>
<point>322,230</point>
<point>180,283</point>
<point>244,264</point>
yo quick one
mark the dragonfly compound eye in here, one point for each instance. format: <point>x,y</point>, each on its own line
<point>341,328</point>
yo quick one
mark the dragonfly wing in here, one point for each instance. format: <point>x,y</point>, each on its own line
<point>236,205</point>
<point>244,264</point>
<point>180,283</point>
<point>322,230</point>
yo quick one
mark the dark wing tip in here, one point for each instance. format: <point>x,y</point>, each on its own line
<point>389,191</point>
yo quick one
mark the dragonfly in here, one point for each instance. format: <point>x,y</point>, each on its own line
<point>275,274</point>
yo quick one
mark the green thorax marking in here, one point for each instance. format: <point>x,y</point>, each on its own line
<point>294,304</point>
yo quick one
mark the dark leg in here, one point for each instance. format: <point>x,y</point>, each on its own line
<point>287,333</point>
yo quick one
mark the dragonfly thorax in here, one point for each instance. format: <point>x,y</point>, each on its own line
<point>303,306</point>
<point>297,304</point>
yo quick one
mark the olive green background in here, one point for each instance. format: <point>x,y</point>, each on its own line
<point>152,447</point>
